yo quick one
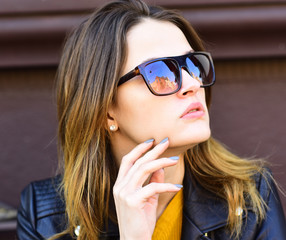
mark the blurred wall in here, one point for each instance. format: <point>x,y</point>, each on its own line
<point>247,39</point>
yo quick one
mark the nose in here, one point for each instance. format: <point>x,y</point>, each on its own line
<point>190,85</point>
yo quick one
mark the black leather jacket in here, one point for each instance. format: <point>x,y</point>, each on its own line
<point>42,214</point>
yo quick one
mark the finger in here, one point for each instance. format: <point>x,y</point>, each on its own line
<point>146,169</point>
<point>129,159</point>
<point>157,176</point>
<point>151,155</point>
<point>152,189</point>
<point>155,152</point>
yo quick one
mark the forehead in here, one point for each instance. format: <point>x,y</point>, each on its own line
<point>153,39</point>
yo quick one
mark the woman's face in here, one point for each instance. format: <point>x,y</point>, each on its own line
<point>138,113</point>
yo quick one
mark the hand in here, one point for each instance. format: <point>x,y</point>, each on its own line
<point>135,200</point>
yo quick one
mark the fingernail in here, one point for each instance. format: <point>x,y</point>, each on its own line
<point>164,140</point>
<point>178,185</point>
<point>175,158</point>
<point>149,140</point>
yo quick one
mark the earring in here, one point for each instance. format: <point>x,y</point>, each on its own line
<point>112,128</point>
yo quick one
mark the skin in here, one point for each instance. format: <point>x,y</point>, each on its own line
<point>145,183</point>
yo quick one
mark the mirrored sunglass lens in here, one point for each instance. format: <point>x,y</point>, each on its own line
<point>161,76</point>
<point>199,67</point>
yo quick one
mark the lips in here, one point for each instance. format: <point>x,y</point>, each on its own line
<point>194,110</point>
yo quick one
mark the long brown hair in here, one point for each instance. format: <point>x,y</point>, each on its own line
<point>87,78</point>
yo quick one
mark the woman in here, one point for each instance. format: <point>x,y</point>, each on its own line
<point>133,91</point>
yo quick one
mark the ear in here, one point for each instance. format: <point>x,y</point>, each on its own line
<point>111,121</point>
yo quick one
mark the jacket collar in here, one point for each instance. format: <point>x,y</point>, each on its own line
<point>202,212</point>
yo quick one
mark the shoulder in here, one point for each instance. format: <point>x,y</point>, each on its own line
<point>265,184</point>
<point>45,197</point>
<point>42,210</point>
<point>274,222</point>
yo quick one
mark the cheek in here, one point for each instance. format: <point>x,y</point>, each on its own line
<point>134,112</point>
<point>202,96</point>
<point>132,104</point>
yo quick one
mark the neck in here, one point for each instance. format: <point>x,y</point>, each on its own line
<point>173,175</point>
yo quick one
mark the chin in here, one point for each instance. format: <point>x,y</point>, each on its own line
<point>198,140</point>
<point>190,139</point>
<point>203,136</point>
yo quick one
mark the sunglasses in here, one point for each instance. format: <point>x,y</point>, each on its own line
<point>163,76</point>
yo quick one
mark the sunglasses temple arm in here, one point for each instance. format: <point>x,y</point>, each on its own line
<point>128,76</point>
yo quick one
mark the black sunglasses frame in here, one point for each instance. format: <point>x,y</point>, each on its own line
<point>180,63</point>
